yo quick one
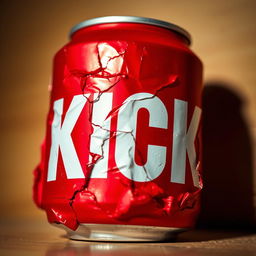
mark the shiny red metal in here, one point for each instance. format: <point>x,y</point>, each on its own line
<point>123,143</point>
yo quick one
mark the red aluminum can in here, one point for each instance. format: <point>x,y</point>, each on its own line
<point>122,154</point>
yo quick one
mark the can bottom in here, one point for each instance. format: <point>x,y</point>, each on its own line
<point>121,233</point>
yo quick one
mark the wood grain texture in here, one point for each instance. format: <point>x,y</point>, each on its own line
<point>30,237</point>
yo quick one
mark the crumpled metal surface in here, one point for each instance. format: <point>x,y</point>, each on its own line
<point>106,73</point>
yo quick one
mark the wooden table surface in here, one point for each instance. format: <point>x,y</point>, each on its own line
<point>37,237</point>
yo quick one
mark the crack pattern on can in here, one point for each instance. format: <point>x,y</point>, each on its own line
<point>123,137</point>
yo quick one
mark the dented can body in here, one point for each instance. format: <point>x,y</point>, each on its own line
<point>123,139</point>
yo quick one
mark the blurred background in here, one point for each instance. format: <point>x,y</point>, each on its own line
<point>224,37</point>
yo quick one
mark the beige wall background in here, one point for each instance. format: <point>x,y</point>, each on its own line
<point>224,36</point>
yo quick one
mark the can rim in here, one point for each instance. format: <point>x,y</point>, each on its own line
<point>131,19</point>
<point>121,232</point>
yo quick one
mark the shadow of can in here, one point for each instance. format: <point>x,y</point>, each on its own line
<point>227,197</point>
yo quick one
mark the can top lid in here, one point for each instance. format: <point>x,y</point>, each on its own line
<point>131,19</point>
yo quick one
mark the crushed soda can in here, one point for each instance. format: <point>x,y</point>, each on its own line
<point>121,160</point>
